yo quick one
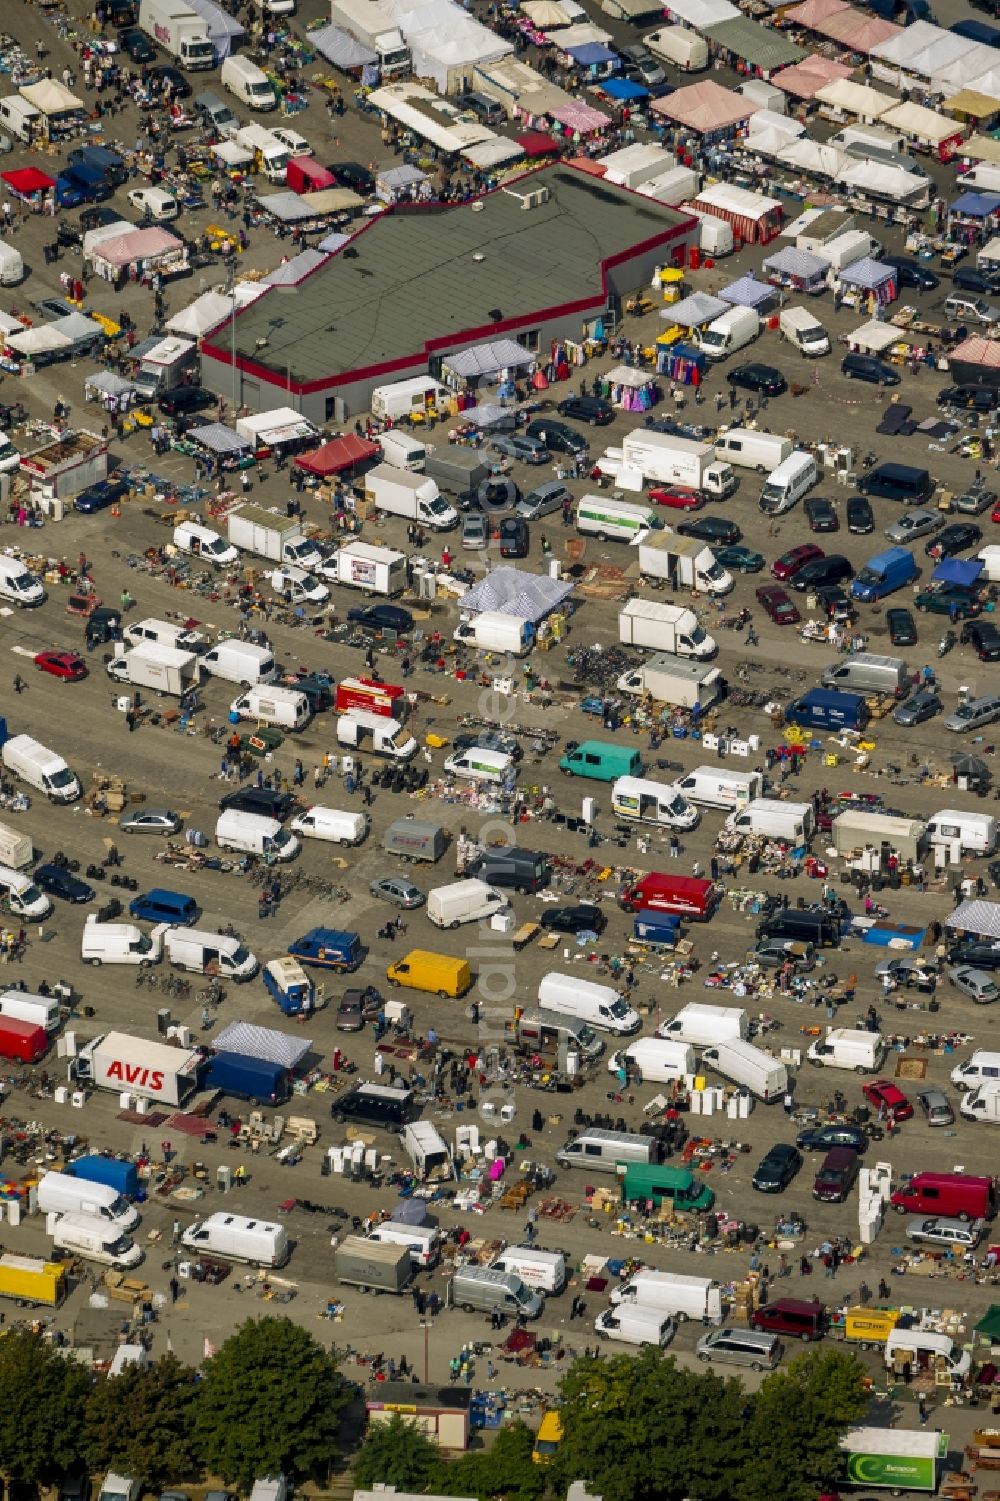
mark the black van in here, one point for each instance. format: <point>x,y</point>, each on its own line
<point>523,870</point>
<point>813,925</point>
<point>376,1105</point>
<point>868,367</point>
<point>897,482</point>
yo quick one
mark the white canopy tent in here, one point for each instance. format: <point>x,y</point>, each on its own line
<point>52,98</point>
<point>879,180</point>
<point>703,13</point>
<point>445,42</point>
<point>428,116</point>
<point>212,308</point>
<point>897,50</point>
<point>873,337</point>
<point>819,158</point>
<point>960,74</point>
<point>923,124</point>
<point>42,340</point>
<point>855,99</point>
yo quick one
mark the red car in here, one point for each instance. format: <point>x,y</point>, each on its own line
<point>797,557</point>
<point>778,606</point>
<point>888,1099</point>
<point>995,513</point>
<point>679,500</point>
<point>62,664</point>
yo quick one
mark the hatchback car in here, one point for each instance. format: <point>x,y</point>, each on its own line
<point>150,821</point>
<point>763,378</point>
<point>918,708</point>
<point>821,515</point>
<point>676,500</point>
<point>594,410</point>
<point>184,399</point>
<point>475,530</point>
<point>400,892</point>
<point>953,539</point>
<point>971,279</point>
<point>974,714</point>
<point>58,881</point>
<point>834,569</point>
<point>948,599</point>
<point>358,1006</point>
<point>860,516</point>
<point>777,605</point>
<point>711,529</point>
<point>98,497</point>
<point>354,176</point>
<point>825,1138</point>
<point>392,619</point>
<point>971,309</point>
<point>62,664</point>
<point>887,1099</point>
<point>975,983</point>
<point>795,558</point>
<point>739,559</point>
<point>984,637</point>
<point>557,436</point>
<point>910,273</point>
<point>942,1231</point>
<point>914,524</point>
<point>518,446</point>
<point>772,953</point>
<point>777,1168</point>
<point>902,626</point>
<point>543,500</point>
<point>936,1107</point>
<point>584,917</point>
<point>137,45</point>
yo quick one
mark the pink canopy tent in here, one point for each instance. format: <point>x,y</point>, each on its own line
<point>705,107</point>
<point>137,245</point>
<point>859,32</point>
<point>811,12</point>
<point>805,79</point>
<point>581,117</point>
<point>977,351</point>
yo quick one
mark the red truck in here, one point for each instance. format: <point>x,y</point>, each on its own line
<point>22,1040</point>
<point>688,896</point>
<point>377,698</point>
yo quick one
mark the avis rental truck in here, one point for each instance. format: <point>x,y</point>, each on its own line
<point>131,1065</point>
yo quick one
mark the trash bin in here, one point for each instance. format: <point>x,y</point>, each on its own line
<point>223,1178</point>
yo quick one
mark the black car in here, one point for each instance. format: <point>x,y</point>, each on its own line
<point>592,409</point>
<point>777,1169</point>
<point>514,537</point>
<point>984,953</point>
<point>984,636</point>
<point>352,175</point>
<point>184,399</point>
<point>763,378</point>
<point>583,918</point>
<point>836,603</point>
<point>969,279</point>
<point>390,618</point>
<point>137,44</point>
<point>971,398</point>
<point>557,437</point>
<point>953,539</point>
<point>902,627</point>
<point>58,881</point>
<point>911,273</point>
<point>823,1138</point>
<point>264,801</point>
<point>860,516</point>
<point>98,497</point>
<point>821,515</point>
<point>99,215</point>
<point>711,529</point>
<point>167,74</point>
<point>834,569</point>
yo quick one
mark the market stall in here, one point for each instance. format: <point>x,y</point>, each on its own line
<point>682,364</point>
<point>878,181</point>
<point>815,158</point>
<point>868,284</point>
<point>749,48</point>
<point>221,442</point>
<point>39,346</point>
<point>344,453</point>
<point>498,362</point>
<point>671,187</point>
<point>213,308</point>
<point>342,50</point>
<point>235,160</point>
<point>797,270</point>
<point>400,184</point>
<point>804,79</point>
<point>927,128</point>
<point>844,100</point>
<point>628,389</point>
<point>754,219</point>
<point>768,133</point>
<point>973,217</point>
<point>976,362</point>
<point>595,60</point>
<point>968,106</point>
<point>138,255</point>
<point>280,430</point>
<point>114,392</point>
<point>224,31</point>
<point>706,108</point>
<point>61,111</point>
<point>29,185</point>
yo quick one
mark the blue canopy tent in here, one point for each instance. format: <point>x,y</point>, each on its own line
<point>595,59</point>
<point>960,571</point>
<point>625,90</point>
<point>975,206</point>
<point>749,292</point>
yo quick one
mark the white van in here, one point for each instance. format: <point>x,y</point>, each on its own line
<point>249,83</point>
<point>803,329</point>
<point>19,584</point>
<point>61,1193</point>
<point>202,542</point>
<point>680,1296</point>
<point>990,559</point>
<point>847,1047</point>
<point>402,451</point>
<point>285,707</point>
<point>259,1242</point>
<point>118,943</point>
<point>718,787</point>
<point>983,1067</point>
<point>334,825</point>
<point>210,953</point>
<point>635,1326</point>
<point>162,633</point>
<point>661,803</point>
<point>241,662</point>
<point>732,330</point>
<point>788,483</point>
<point>655,1060</point>
<point>480,765</point>
<point>679,45</point>
<point>976,833</point>
<point>600,1005</point>
<point>773,819</point>
<point>615,520</point>
<point>600,1151</point>
<point>41,768</point>
<point>464,901</point>
<point>21,118</point>
<point>703,1025</point>
<point>39,1010</point>
<point>923,1347</point>
<point>360,729</point>
<point>545,1271</point>
<point>750,1067</point>
<point>253,834</point>
<point>21,895</point>
<point>94,1240</point>
<point>749,449</point>
<point>422,1241</point>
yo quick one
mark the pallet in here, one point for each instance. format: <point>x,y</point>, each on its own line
<point>525,933</point>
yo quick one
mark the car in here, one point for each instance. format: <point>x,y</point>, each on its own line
<point>358,1006</point>
<point>150,821</point>
<point>475,530</point>
<point>557,436</point>
<point>910,273</point>
<point>54,307</point>
<point>495,494</point>
<point>62,664</point>
<point>297,587</point>
<point>677,500</point>
<point>887,1099</point>
<point>154,203</point>
<point>739,559</point>
<point>762,378</point>
<point>519,446</point>
<point>137,44</point>
<point>833,569</point>
<point>972,398</point>
<point>98,497</point>
<point>914,524</point>
<point>971,279</point>
<point>968,308</point>
<point>482,106</point>
<point>392,619</point>
<point>58,881</point>
<point>543,500</point>
<point>166,73</point>
<point>920,706</point>
<point>974,714</point>
<point>824,1138</point>
<point>981,953</point>
<point>514,537</point>
<point>494,740</point>
<point>953,539</point>
<point>711,529</point>
<point>584,917</point>
<point>772,953</point>
<point>943,1231</point>
<point>777,1168</point>
<point>821,514</point>
<point>795,558</point>
<point>974,501</point>
<point>398,891</point>
<point>267,802</point>
<point>860,516</point>
<point>944,599</point>
<point>642,65</point>
<point>984,636</point>
<point>99,215</point>
<point>180,399</point>
<point>910,971</point>
<point>352,175</point>
<point>975,983</point>
<point>835,603</point>
<point>777,605</point>
<point>902,626</point>
<point>936,1107</point>
<point>594,410</point>
<point>293,143</point>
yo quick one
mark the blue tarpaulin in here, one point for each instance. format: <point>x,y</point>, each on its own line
<point>623,88</point>
<point>976,205</point>
<point>591,54</point>
<point>958,571</point>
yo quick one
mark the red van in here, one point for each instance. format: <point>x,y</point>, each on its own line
<point>957,1195</point>
<point>657,892</point>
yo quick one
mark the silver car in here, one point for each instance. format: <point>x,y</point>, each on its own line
<point>943,1231</point>
<point>975,983</point>
<point>968,307</point>
<point>974,715</point>
<point>520,446</point>
<point>913,524</point>
<point>475,530</point>
<point>936,1107</point>
<point>398,891</point>
<point>150,821</point>
<point>543,500</point>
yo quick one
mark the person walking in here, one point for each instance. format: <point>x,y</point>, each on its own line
<point>788,1102</point>
<point>19,683</point>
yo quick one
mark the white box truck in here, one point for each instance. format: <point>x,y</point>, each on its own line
<point>751,1068</point>
<point>179,31</point>
<point>94,1240</point>
<point>61,1193</point>
<point>16,848</point>
<point>412,496</point>
<point>164,669</point>
<point>369,24</point>
<point>848,1047</point>
<point>131,1065</point>
<point>665,628</point>
<point>462,902</point>
<point>663,459</point>
<point>682,1297</point>
<point>670,680</point>
<point>237,1238</point>
<point>30,761</point>
<point>257,530</point>
<point>705,1026</point>
<point>493,631</point>
<point>729,332</point>
<point>210,954</point>
<point>376,570</point>
<point>803,329</point>
<point>685,562</point>
<point>600,1005</point>
<point>403,397</point>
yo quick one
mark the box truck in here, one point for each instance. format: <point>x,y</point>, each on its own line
<point>457,471</point>
<point>95,1240</point>
<point>259,1081</point>
<point>412,496</point>
<point>684,562</point>
<point>237,1238</point>
<point>269,535</point>
<point>16,849</point>
<point>30,761</point>
<point>681,1296</point>
<point>161,668</point>
<point>368,23</point>
<point>664,628</point>
<point>131,1065</point>
<point>900,1459</point>
<point>40,1010</point>
<point>63,1193</point>
<point>114,1172</point>
<point>705,1026</point>
<point>179,31</point>
<point>749,1067</point>
<point>669,680</point>
<point>662,459</point>
<point>380,1266</point>
<point>22,1042</point>
<point>376,570</point>
<point>32,1283</point>
<point>545,1271</point>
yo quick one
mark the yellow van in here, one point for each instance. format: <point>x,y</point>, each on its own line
<point>421,969</point>
<point>548,1437</point>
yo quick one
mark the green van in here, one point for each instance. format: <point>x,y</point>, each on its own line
<point>602,760</point>
<point>675,1186</point>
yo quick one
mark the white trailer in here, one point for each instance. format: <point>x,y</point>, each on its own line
<point>131,1065</point>
<point>179,31</point>
<point>664,628</point>
<point>685,562</point>
<point>663,459</point>
<point>162,668</point>
<point>376,570</point>
<point>412,496</point>
<point>16,849</point>
<point>669,680</point>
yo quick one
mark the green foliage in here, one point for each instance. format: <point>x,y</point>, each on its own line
<point>797,1419</point>
<point>270,1401</point>
<point>505,1470</point>
<point>397,1453</point>
<point>142,1423</point>
<point>42,1395</point>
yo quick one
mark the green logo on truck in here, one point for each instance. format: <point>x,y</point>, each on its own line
<point>901,1472</point>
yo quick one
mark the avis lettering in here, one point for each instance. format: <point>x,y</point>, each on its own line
<point>134,1073</point>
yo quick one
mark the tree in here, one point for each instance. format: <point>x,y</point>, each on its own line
<point>142,1423</point>
<point>42,1395</point>
<point>397,1453</point>
<point>505,1469</point>
<point>795,1426</point>
<point>270,1401</point>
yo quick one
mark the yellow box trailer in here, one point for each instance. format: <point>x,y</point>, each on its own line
<point>30,1281</point>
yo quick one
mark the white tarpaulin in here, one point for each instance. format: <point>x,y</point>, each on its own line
<point>581,35</point>
<point>908,43</point>
<point>42,340</point>
<point>51,98</point>
<point>971,917</point>
<point>219,438</point>
<point>702,13</point>
<point>959,74</point>
<point>873,337</point>
<point>493,153</point>
<point>637,163</point>
<point>211,308</point>
<point>923,124</point>
<point>341,49</point>
<point>420,110</point>
<point>261,1042</point>
<point>817,157</point>
<point>528,596</point>
<point>769,119</point>
<point>446,43</point>
<point>675,186</point>
<point>879,180</point>
<point>944,51</point>
<point>855,99</point>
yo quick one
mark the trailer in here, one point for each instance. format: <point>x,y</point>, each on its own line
<point>896,1458</point>
<point>376,1266</point>
<point>131,1065</point>
<point>458,471</point>
<point>31,1282</point>
<point>376,570</point>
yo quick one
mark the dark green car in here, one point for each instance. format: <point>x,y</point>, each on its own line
<point>739,559</point>
<point>940,601</point>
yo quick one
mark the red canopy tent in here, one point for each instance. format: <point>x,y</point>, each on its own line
<point>341,453</point>
<point>27,180</point>
<point>537,143</point>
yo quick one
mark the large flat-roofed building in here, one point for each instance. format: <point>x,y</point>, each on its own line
<point>542,258</point>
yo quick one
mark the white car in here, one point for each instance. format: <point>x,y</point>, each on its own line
<point>154,202</point>
<point>293,143</point>
<point>942,1231</point>
<point>297,586</point>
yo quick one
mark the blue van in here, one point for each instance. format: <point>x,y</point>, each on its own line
<point>826,709</point>
<point>108,163</point>
<point>884,574</point>
<point>81,184</point>
<point>160,905</point>
<point>602,760</point>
